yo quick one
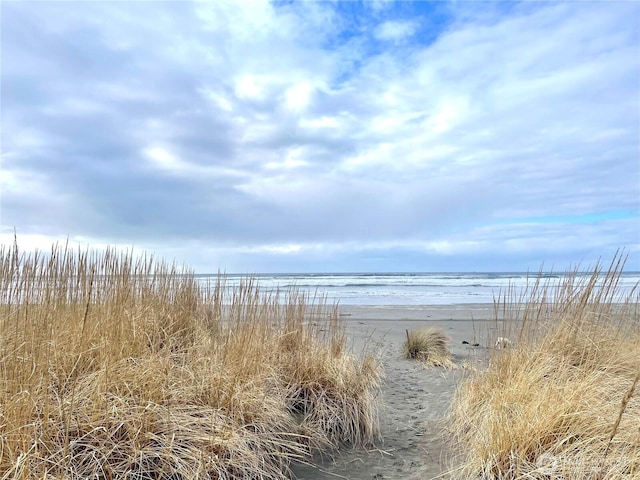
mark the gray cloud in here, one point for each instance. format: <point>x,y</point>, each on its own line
<point>290,134</point>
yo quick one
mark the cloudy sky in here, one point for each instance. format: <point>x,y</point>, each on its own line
<point>325,136</point>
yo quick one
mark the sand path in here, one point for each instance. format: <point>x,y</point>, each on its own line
<point>415,399</point>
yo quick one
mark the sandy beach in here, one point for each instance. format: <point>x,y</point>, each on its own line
<point>415,399</point>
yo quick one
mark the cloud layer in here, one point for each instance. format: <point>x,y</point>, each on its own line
<point>257,136</point>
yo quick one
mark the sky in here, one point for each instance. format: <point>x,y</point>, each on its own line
<point>290,136</point>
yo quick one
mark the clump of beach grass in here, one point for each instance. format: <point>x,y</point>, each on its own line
<point>117,366</point>
<point>429,345</point>
<point>562,402</point>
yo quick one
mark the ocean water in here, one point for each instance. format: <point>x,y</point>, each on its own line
<point>408,288</point>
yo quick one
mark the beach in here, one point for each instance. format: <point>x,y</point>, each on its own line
<point>186,381</point>
<point>414,398</point>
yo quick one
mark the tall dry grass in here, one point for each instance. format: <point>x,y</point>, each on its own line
<point>429,345</point>
<point>122,366</point>
<point>562,402</point>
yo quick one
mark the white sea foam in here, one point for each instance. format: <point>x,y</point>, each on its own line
<point>409,288</point>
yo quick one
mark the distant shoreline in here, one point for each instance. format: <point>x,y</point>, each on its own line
<point>427,313</point>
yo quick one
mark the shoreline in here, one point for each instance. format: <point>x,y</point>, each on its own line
<point>462,311</point>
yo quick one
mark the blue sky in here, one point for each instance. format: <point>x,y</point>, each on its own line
<point>325,136</point>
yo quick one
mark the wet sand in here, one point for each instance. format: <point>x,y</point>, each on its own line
<point>415,399</point>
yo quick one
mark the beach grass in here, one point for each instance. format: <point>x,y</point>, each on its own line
<point>562,402</point>
<point>429,345</point>
<point>121,366</point>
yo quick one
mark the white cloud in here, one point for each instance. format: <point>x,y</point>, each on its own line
<point>298,96</point>
<point>283,127</point>
<point>395,30</point>
<point>252,87</point>
<point>293,159</point>
<point>447,115</point>
<point>219,100</point>
<point>163,158</point>
<point>323,121</point>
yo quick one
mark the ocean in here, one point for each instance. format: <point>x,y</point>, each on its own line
<point>408,288</point>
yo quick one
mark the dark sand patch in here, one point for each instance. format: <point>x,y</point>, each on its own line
<point>415,398</point>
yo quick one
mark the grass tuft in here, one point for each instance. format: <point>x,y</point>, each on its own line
<point>115,366</point>
<point>429,345</point>
<point>562,401</point>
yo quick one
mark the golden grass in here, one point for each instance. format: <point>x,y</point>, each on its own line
<point>429,345</point>
<point>562,403</point>
<point>115,366</point>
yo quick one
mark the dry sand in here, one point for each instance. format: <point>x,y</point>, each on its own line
<point>415,398</point>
